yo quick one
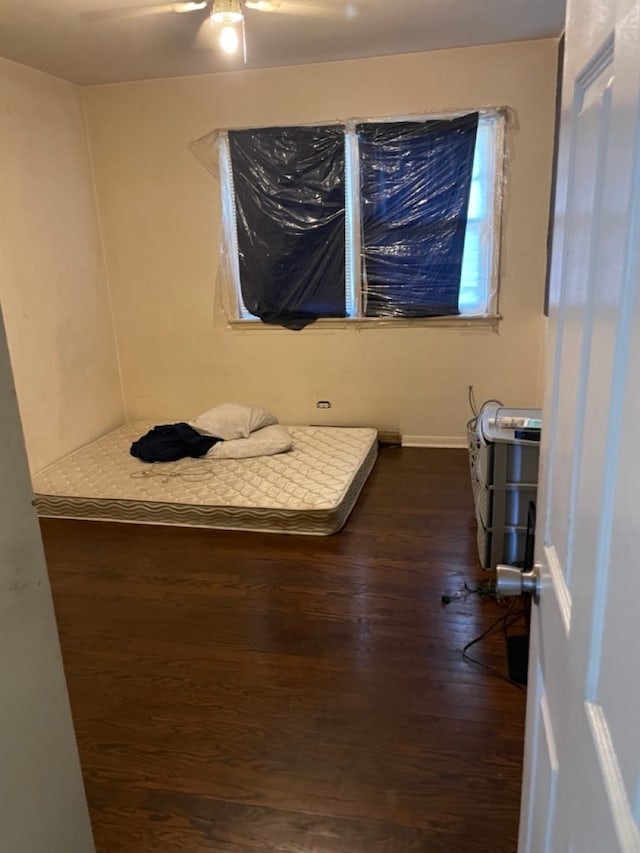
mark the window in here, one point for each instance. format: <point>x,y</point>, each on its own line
<point>478,284</point>
<point>372,220</point>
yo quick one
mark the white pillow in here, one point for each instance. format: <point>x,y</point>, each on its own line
<point>262,442</point>
<point>232,420</point>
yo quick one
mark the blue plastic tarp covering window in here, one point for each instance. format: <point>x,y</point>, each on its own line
<point>415,179</point>
<point>289,185</point>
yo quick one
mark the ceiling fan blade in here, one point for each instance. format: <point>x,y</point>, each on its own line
<point>190,6</point>
<point>145,11</point>
<point>293,7</point>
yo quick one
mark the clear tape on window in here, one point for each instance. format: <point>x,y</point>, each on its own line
<point>207,152</point>
<point>391,172</point>
<point>501,125</point>
<point>212,152</point>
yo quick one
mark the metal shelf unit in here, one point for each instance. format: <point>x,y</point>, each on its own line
<point>504,479</point>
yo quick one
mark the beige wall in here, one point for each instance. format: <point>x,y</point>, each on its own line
<point>161,229</point>
<point>53,287</point>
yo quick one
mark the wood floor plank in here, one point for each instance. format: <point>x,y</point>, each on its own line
<point>243,692</point>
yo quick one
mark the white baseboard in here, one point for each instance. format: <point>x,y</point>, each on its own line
<point>434,441</point>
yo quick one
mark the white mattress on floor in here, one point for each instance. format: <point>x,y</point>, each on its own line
<point>310,489</point>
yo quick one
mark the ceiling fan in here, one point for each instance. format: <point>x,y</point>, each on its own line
<point>225,19</point>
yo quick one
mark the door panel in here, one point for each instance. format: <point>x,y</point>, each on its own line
<point>42,802</point>
<point>582,757</point>
<point>591,108</point>
<point>545,774</point>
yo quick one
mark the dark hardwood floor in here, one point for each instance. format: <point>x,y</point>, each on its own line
<point>247,692</point>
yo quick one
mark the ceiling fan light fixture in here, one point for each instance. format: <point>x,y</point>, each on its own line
<point>225,12</point>
<point>229,41</point>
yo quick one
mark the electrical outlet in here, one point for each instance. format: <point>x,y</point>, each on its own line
<point>323,404</point>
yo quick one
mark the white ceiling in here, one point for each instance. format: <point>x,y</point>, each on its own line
<point>86,42</point>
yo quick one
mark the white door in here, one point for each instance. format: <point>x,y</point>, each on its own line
<point>42,802</point>
<point>581,789</point>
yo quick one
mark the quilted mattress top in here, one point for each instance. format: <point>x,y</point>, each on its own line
<point>315,474</point>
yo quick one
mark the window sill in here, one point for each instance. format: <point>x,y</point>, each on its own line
<point>467,321</point>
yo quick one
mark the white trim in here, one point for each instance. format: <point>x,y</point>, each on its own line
<point>554,766</point>
<point>353,224</point>
<point>474,322</point>
<point>434,441</point>
<point>621,814</point>
<point>549,734</point>
<point>563,596</point>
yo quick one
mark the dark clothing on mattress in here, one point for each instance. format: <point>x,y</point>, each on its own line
<point>169,442</point>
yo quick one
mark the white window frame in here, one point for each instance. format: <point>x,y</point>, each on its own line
<point>489,158</point>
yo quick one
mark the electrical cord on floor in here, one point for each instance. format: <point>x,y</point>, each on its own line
<point>506,620</point>
<point>483,589</point>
